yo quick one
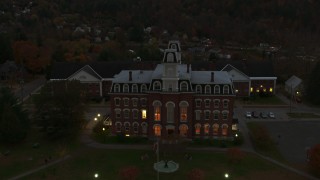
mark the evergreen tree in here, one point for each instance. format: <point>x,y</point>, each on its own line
<point>313,86</point>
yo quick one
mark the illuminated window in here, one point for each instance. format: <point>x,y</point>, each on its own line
<point>157,130</point>
<point>157,112</point>
<point>251,89</point>
<point>215,129</point>
<point>271,90</point>
<point>183,113</point>
<point>206,129</point>
<point>197,129</point>
<point>224,129</point>
<point>261,86</point>
<point>144,114</point>
<point>264,90</point>
<point>257,90</point>
<point>237,90</point>
<point>183,130</point>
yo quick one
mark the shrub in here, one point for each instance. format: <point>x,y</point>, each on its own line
<point>314,160</point>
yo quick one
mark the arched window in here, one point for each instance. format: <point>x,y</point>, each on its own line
<point>126,113</point>
<point>157,130</point>
<point>225,89</point>
<point>215,129</point>
<point>170,112</point>
<point>134,88</point>
<point>224,129</point>
<point>170,57</point>
<point>216,89</point>
<point>118,113</point>
<point>125,88</point>
<point>117,88</point>
<point>135,127</point>
<point>216,103</point>
<point>143,88</point>
<point>225,115</point>
<point>184,87</point>
<point>156,86</point>
<point>127,127</point>
<point>118,126</point>
<point>183,110</point>
<point>183,130</point>
<point>144,127</point>
<point>117,101</point>
<point>225,103</point>
<point>197,129</point>
<point>157,110</point>
<point>207,89</point>
<point>198,89</point>
<point>206,129</point>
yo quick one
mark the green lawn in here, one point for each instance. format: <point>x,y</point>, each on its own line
<point>303,115</point>
<point>108,162</point>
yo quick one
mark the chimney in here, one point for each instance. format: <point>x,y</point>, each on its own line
<point>130,75</point>
<point>188,66</point>
<point>212,76</point>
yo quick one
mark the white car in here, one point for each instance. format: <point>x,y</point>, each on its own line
<point>271,115</point>
<point>248,114</point>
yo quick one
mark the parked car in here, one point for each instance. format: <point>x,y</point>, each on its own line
<point>263,115</point>
<point>254,114</point>
<point>248,114</point>
<point>271,115</point>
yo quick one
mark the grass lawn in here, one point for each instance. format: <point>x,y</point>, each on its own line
<point>108,162</point>
<point>303,115</point>
<point>257,100</point>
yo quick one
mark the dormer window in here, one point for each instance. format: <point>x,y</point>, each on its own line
<point>134,88</point>
<point>117,88</point>
<point>216,89</point>
<point>143,88</point>
<point>225,89</point>
<point>207,89</point>
<point>183,87</point>
<point>157,86</point>
<point>125,88</point>
<point>198,89</point>
<point>170,57</point>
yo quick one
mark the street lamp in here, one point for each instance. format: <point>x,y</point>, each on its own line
<point>226,175</point>
<point>96,175</point>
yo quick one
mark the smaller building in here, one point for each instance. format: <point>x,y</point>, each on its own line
<point>294,86</point>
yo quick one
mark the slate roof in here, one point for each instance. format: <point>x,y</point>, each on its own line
<point>204,77</point>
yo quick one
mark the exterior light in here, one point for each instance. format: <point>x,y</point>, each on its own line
<point>236,135</point>
<point>95,119</point>
<point>226,175</point>
<point>127,135</point>
<point>261,86</point>
<point>96,175</point>
<point>98,115</point>
<point>297,92</point>
<point>251,89</point>
<point>103,129</point>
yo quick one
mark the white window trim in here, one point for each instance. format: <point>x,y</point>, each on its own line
<point>205,100</point>
<point>216,92</point>
<point>154,85</point>
<point>184,83</point>
<point>136,89</point>
<point>198,87</point>
<point>205,111</point>
<point>143,86</point>
<point>115,100</point>
<point>216,112</point>
<point>225,87</point>
<point>124,87</point>
<point>205,89</point>
<point>117,87</point>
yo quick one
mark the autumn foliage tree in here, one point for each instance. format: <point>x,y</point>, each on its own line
<point>195,174</point>
<point>128,173</point>
<point>314,159</point>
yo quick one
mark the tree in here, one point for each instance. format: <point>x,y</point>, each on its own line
<point>313,85</point>
<point>13,119</point>
<point>314,159</point>
<point>196,174</point>
<point>60,108</point>
<point>6,50</point>
<point>129,173</point>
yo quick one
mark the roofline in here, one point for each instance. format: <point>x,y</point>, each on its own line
<point>235,69</point>
<point>82,68</point>
<point>263,78</point>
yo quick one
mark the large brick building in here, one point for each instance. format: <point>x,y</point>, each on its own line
<point>172,99</point>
